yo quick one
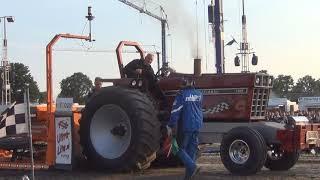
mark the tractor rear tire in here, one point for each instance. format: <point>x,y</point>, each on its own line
<point>119,130</point>
<point>243,151</point>
<point>287,161</point>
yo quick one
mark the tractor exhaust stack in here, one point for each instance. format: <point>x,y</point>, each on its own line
<point>197,67</point>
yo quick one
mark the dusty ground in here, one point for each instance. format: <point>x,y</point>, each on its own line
<point>307,168</point>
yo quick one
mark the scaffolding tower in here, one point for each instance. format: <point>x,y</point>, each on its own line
<point>5,65</point>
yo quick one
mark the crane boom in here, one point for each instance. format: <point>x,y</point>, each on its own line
<point>142,10</point>
<point>163,21</point>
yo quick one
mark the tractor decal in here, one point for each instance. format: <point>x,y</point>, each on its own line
<point>217,91</point>
<point>217,109</point>
<point>224,91</point>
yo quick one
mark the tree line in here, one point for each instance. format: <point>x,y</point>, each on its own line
<point>76,86</point>
<point>285,87</point>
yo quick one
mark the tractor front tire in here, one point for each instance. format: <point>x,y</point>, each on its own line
<point>243,151</point>
<point>119,130</point>
<point>284,163</point>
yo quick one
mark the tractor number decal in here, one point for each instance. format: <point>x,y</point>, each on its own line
<point>218,108</point>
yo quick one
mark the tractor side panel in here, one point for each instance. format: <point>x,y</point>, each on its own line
<point>227,98</point>
<point>219,106</point>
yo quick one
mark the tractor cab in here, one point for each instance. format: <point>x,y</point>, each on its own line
<point>135,82</point>
<point>124,81</point>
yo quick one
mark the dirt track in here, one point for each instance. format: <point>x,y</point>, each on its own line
<point>212,168</point>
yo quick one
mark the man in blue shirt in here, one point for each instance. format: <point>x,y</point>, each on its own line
<point>187,108</point>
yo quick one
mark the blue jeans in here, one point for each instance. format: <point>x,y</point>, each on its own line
<point>188,151</point>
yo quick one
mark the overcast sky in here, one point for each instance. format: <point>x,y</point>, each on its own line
<point>284,34</point>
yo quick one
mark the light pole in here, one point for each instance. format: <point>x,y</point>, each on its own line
<point>6,94</point>
<point>245,49</point>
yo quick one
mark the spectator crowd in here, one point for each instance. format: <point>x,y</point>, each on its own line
<point>282,117</point>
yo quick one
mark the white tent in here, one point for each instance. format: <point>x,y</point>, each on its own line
<point>307,103</point>
<point>282,103</point>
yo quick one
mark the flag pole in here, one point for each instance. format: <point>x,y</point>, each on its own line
<point>27,103</point>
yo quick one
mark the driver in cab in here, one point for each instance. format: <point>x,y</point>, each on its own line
<point>141,68</point>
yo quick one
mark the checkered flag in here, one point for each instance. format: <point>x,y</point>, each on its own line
<point>13,121</point>
<point>218,108</point>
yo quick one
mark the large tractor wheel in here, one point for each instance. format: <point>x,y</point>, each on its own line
<point>243,151</point>
<point>284,163</point>
<point>119,130</point>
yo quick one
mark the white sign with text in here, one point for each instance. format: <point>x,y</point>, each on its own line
<point>64,104</point>
<point>63,140</point>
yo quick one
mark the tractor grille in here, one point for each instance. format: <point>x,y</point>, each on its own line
<point>259,103</point>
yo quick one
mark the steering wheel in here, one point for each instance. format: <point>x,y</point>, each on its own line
<point>163,72</point>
